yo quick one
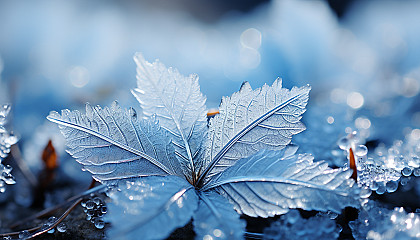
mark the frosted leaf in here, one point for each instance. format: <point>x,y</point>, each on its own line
<point>150,207</point>
<point>376,222</point>
<point>272,182</point>
<point>111,144</point>
<point>179,106</point>
<point>215,218</point>
<point>292,226</point>
<point>251,120</point>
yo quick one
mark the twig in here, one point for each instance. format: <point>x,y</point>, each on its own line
<point>250,235</point>
<point>52,209</point>
<point>65,214</point>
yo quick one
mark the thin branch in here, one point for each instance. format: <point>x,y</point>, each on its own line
<point>54,208</point>
<point>65,214</point>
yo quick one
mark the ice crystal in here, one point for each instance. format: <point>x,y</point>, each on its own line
<point>293,226</point>
<point>379,223</point>
<point>6,141</point>
<point>382,170</point>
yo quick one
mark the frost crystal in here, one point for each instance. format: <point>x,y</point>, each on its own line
<point>6,140</point>
<point>293,226</point>
<point>383,171</point>
<point>375,222</point>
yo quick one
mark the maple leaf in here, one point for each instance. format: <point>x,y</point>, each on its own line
<point>171,167</point>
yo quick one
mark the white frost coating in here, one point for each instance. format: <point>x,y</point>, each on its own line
<point>179,106</point>
<point>251,120</point>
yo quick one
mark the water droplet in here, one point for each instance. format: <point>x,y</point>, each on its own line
<point>83,203</point>
<point>90,204</point>
<point>8,179</point>
<point>7,238</point>
<point>361,150</point>
<point>365,192</point>
<point>343,143</point>
<point>24,234</point>
<point>90,212</point>
<point>97,200</point>
<point>52,230</point>
<point>406,171</point>
<point>404,180</point>
<point>391,186</point>
<point>51,220</point>
<point>416,172</point>
<point>99,223</point>
<point>374,186</point>
<point>104,209</point>
<point>99,213</point>
<point>62,227</point>
<point>381,189</point>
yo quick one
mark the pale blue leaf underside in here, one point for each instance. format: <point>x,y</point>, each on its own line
<point>150,207</point>
<point>252,120</point>
<point>179,106</point>
<point>271,182</point>
<point>112,144</point>
<point>216,218</point>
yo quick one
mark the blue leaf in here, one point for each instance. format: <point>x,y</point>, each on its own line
<point>179,106</point>
<point>272,182</point>
<point>151,207</point>
<point>252,120</point>
<point>215,218</point>
<point>112,144</point>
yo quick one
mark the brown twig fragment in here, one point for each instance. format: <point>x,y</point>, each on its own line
<point>353,164</point>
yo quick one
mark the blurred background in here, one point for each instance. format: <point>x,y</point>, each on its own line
<point>360,56</point>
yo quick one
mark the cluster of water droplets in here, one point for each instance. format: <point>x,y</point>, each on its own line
<point>379,223</point>
<point>6,139</point>
<point>5,177</point>
<point>61,227</point>
<point>293,226</point>
<point>376,173</point>
<point>95,208</point>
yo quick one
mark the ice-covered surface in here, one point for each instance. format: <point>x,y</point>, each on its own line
<point>379,223</point>
<point>292,226</point>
